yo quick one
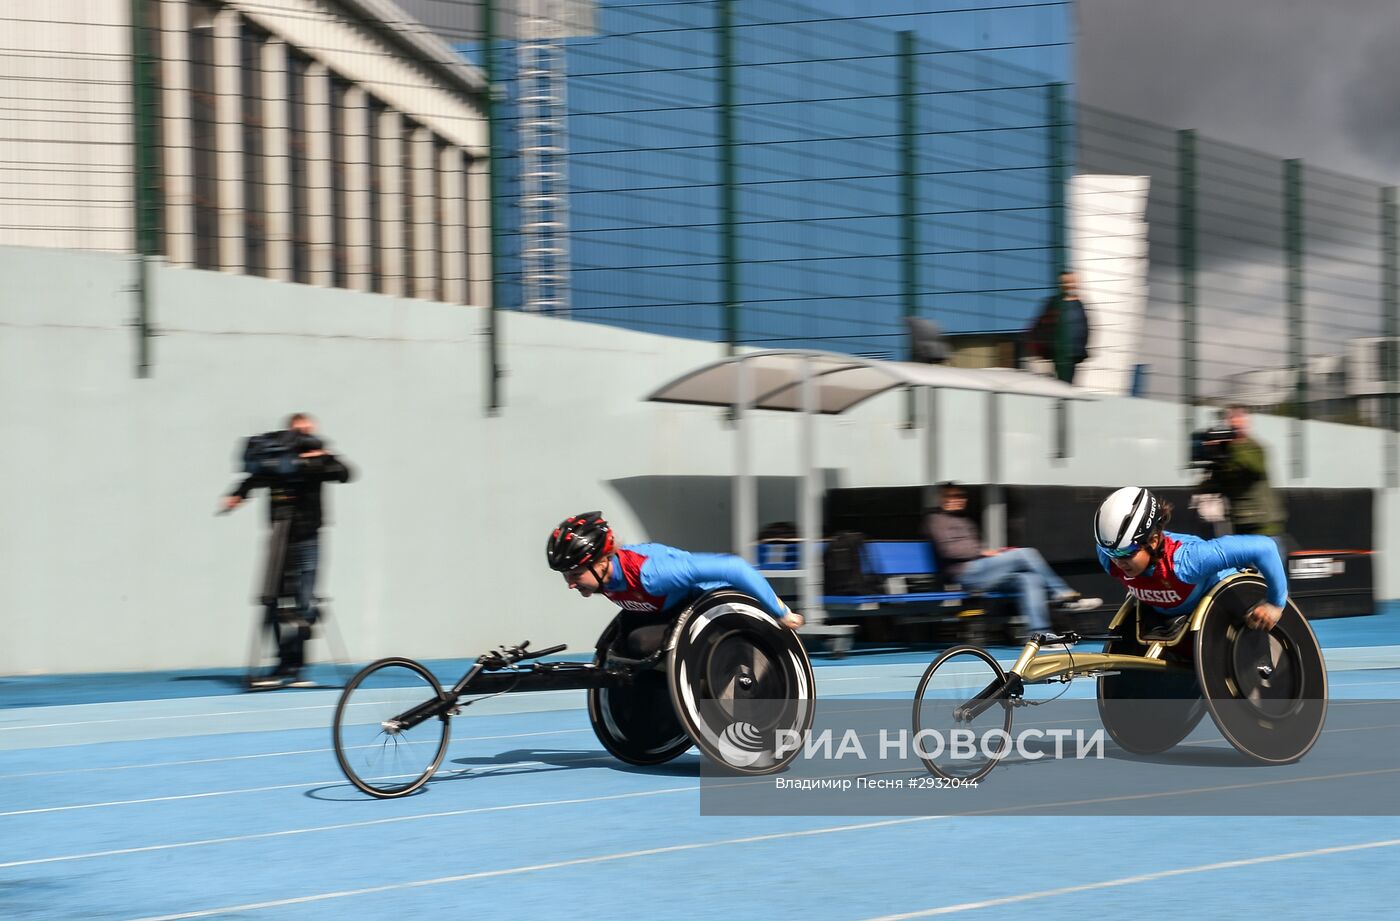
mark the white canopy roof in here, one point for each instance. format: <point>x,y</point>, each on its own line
<point>775,381</point>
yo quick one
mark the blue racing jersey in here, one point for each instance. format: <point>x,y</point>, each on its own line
<point>1189,566</point>
<point>655,577</point>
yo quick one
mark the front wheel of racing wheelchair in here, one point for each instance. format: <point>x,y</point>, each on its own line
<point>727,677</point>
<point>1266,691</point>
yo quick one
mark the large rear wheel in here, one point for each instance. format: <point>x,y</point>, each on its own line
<point>1147,712</point>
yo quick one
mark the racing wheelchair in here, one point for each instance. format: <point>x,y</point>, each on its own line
<point>1265,690</point>
<point>727,678</point>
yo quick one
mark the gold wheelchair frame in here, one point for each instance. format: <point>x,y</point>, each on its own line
<point>1265,690</point>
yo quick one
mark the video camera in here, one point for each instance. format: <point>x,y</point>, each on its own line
<point>276,454</point>
<point>1209,446</point>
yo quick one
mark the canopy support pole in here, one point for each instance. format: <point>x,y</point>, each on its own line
<point>932,471</point>
<point>745,505</point>
<point>994,513</point>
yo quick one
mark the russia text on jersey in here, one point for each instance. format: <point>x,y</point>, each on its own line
<point>1156,596</point>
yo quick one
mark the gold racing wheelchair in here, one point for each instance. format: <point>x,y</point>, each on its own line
<point>727,678</point>
<point>1265,690</point>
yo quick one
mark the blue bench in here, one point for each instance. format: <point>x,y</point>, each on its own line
<point>896,563</point>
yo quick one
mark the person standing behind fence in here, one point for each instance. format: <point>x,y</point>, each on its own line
<point>1061,333</point>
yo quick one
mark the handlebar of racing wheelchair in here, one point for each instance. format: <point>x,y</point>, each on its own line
<point>509,655</point>
<point>1069,638</point>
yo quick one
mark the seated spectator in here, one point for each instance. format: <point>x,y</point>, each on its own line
<point>1021,571</point>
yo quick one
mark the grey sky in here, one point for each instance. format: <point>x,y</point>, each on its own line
<point>1293,78</point>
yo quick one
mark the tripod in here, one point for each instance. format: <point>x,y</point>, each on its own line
<point>283,626</point>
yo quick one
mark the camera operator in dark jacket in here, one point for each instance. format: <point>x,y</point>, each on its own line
<point>294,493</point>
<point>1237,468</point>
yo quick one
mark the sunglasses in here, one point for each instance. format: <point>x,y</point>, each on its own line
<point>1123,553</point>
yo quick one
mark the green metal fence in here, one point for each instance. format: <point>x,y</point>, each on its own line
<point>767,173</point>
<point>1270,281</point>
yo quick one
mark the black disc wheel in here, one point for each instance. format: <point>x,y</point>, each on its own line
<point>740,683</point>
<point>391,727</point>
<point>637,723</point>
<point>1147,712</point>
<point>962,720</point>
<point>1266,689</point>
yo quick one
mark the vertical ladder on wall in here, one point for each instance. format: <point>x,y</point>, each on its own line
<point>544,179</point>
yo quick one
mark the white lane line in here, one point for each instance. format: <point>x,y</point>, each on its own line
<point>213,714</point>
<point>208,714</point>
<point>1125,881</point>
<point>338,782</point>
<point>170,799</point>
<point>302,751</point>
<point>609,758</point>
<point>535,868</point>
<point>647,793</point>
<point>1185,791</point>
<point>344,825</point>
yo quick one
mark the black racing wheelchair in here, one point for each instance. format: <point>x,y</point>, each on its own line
<point>726,677</point>
<point>1265,690</point>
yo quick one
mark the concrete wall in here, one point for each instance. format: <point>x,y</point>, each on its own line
<point>112,559</point>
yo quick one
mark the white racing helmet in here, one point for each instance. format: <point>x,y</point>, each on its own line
<point>1126,519</point>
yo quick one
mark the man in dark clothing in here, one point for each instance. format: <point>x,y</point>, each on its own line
<point>295,515</point>
<point>957,544</point>
<point>1240,473</point>
<point>1061,333</point>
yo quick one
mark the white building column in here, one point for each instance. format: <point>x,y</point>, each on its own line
<point>452,199</point>
<point>176,127</point>
<point>479,230</point>
<point>423,187</point>
<point>320,164</point>
<point>228,105</point>
<point>277,159</point>
<point>355,221</point>
<point>389,137</point>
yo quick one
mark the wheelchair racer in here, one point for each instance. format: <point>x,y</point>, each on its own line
<point>1170,572</point>
<point>650,582</point>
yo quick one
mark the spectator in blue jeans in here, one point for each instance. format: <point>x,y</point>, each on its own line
<point>1022,571</point>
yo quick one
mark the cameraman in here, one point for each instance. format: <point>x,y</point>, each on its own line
<point>294,491</point>
<point>1237,468</point>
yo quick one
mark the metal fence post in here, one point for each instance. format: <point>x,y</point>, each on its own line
<point>909,199</point>
<point>728,179</point>
<point>493,332</point>
<point>1293,241</point>
<point>1059,261</point>
<point>1186,256</point>
<point>146,187</point>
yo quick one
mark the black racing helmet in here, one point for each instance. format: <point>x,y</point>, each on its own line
<point>580,540</point>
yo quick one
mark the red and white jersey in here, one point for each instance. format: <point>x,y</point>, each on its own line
<point>1159,586</point>
<point>631,596</point>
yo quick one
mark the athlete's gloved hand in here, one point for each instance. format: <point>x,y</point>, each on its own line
<point>793,620</point>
